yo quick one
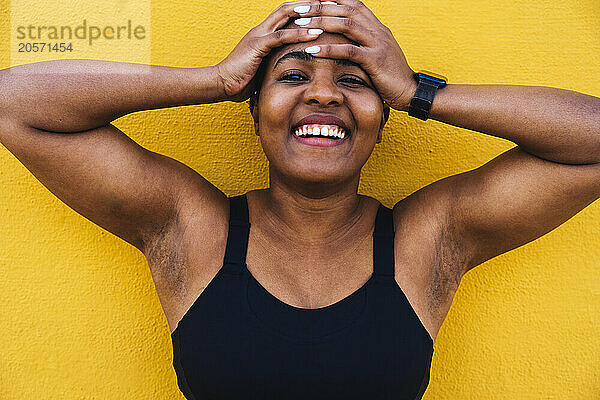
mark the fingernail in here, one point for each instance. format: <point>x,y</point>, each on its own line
<point>302,21</point>
<point>302,9</point>
<point>329,2</point>
<point>315,31</point>
<point>312,49</point>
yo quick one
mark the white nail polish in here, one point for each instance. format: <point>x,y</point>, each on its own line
<point>312,49</point>
<point>302,9</point>
<point>315,31</point>
<point>302,21</point>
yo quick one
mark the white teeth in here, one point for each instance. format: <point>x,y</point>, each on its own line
<point>323,130</point>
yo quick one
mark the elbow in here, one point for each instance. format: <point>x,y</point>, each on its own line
<point>3,92</point>
<point>7,101</point>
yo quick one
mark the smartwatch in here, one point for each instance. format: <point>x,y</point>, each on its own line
<point>429,82</point>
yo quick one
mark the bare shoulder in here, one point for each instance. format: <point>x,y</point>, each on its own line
<point>185,254</point>
<point>429,252</point>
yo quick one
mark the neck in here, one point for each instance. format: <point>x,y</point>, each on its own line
<point>326,216</point>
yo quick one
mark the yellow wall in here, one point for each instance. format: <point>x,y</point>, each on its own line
<point>79,315</point>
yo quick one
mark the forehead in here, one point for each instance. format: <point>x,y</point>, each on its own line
<point>296,50</point>
<point>304,56</point>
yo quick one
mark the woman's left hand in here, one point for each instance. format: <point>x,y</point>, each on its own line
<point>378,53</point>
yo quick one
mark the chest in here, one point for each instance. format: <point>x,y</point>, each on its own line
<point>306,277</point>
<point>239,346</point>
<point>310,278</point>
<point>237,342</point>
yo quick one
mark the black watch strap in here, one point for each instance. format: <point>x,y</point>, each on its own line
<point>420,104</point>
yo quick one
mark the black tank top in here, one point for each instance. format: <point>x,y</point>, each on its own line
<point>238,341</point>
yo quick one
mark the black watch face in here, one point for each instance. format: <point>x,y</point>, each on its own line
<point>430,78</point>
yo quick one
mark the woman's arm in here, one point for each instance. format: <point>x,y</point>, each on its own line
<point>557,125</point>
<point>78,95</point>
<point>55,119</point>
<point>531,189</point>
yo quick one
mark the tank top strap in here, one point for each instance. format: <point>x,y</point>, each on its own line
<point>237,237</point>
<point>383,244</point>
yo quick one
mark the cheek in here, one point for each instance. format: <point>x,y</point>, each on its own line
<point>273,125</point>
<point>276,107</point>
<point>368,115</point>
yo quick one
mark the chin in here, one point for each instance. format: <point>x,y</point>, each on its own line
<point>317,176</point>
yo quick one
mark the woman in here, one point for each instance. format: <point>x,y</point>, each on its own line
<point>304,289</point>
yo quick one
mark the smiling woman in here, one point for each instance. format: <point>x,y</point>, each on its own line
<point>310,334</point>
<point>296,84</point>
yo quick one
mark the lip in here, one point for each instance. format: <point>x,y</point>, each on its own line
<point>320,141</point>
<point>324,119</point>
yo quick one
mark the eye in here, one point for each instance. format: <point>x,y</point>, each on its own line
<point>295,76</point>
<point>289,76</point>
<point>354,81</point>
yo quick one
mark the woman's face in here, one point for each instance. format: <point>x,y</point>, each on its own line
<point>293,88</point>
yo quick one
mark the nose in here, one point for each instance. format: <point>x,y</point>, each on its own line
<point>323,90</point>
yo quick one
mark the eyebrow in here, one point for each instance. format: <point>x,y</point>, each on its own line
<point>301,55</point>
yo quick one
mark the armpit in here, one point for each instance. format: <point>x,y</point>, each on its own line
<point>447,270</point>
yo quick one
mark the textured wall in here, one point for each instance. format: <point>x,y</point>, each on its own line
<point>79,315</point>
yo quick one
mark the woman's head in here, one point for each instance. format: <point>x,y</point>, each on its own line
<point>292,84</point>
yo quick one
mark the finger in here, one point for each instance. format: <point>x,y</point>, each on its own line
<point>264,44</point>
<point>335,10</point>
<point>346,26</point>
<point>350,52</point>
<point>356,7</point>
<point>281,15</point>
<point>357,4</point>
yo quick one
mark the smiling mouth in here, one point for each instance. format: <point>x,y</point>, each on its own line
<point>320,135</point>
<point>329,132</point>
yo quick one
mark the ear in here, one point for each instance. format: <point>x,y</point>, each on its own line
<point>255,118</point>
<point>254,113</point>
<point>384,119</point>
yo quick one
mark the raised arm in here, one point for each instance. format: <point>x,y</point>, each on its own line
<point>70,96</point>
<point>55,118</point>
<point>552,174</point>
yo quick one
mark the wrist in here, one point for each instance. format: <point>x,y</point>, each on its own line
<point>408,94</point>
<point>427,85</point>
<point>214,79</point>
<point>205,85</point>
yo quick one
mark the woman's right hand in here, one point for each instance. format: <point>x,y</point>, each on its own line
<point>237,71</point>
